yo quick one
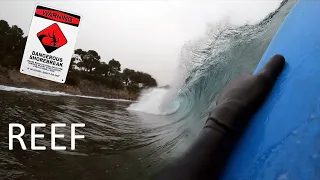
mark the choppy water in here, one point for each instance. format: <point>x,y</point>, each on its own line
<point>128,140</point>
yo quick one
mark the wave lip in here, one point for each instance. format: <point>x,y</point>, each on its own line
<point>53,93</point>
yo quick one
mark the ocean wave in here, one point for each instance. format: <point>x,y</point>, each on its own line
<point>208,64</point>
<point>151,102</point>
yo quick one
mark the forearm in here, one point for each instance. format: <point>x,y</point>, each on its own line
<point>206,157</point>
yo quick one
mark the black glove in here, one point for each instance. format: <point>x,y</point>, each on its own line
<point>241,98</point>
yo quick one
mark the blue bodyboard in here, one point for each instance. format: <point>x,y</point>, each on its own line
<point>283,139</point>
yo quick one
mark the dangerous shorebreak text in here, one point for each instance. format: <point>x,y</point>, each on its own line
<point>45,58</point>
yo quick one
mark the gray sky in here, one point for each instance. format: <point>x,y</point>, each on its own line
<point>143,35</point>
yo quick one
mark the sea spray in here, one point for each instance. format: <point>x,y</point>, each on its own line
<point>151,100</point>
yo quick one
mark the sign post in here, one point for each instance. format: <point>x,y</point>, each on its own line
<point>50,44</point>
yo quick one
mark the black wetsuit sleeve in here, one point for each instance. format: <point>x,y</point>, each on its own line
<point>206,158</point>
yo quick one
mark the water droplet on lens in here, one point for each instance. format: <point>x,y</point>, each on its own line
<point>283,177</point>
<point>315,155</point>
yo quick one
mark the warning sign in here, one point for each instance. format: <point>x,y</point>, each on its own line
<point>50,44</point>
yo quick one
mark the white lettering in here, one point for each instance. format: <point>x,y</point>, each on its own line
<point>34,136</point>
<point>74,136</point>
<point>54,136</point>
<point>11,136</point>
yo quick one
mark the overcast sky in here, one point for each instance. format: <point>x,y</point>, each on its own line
<point>142,35</point>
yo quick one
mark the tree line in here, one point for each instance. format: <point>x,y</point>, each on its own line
<point>89,66</point>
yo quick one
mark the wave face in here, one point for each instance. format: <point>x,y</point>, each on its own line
<point>208,64</point>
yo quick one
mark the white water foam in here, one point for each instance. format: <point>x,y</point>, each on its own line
<point>53,93</point>
<point>151,102</point>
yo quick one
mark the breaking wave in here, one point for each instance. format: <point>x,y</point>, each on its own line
<point>207,65</point>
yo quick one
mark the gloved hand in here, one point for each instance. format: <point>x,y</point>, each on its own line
<point>241,98</point>
<point>237,102</point>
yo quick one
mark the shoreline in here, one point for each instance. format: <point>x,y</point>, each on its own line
<point>55,93</point>
<point>13,78</point>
